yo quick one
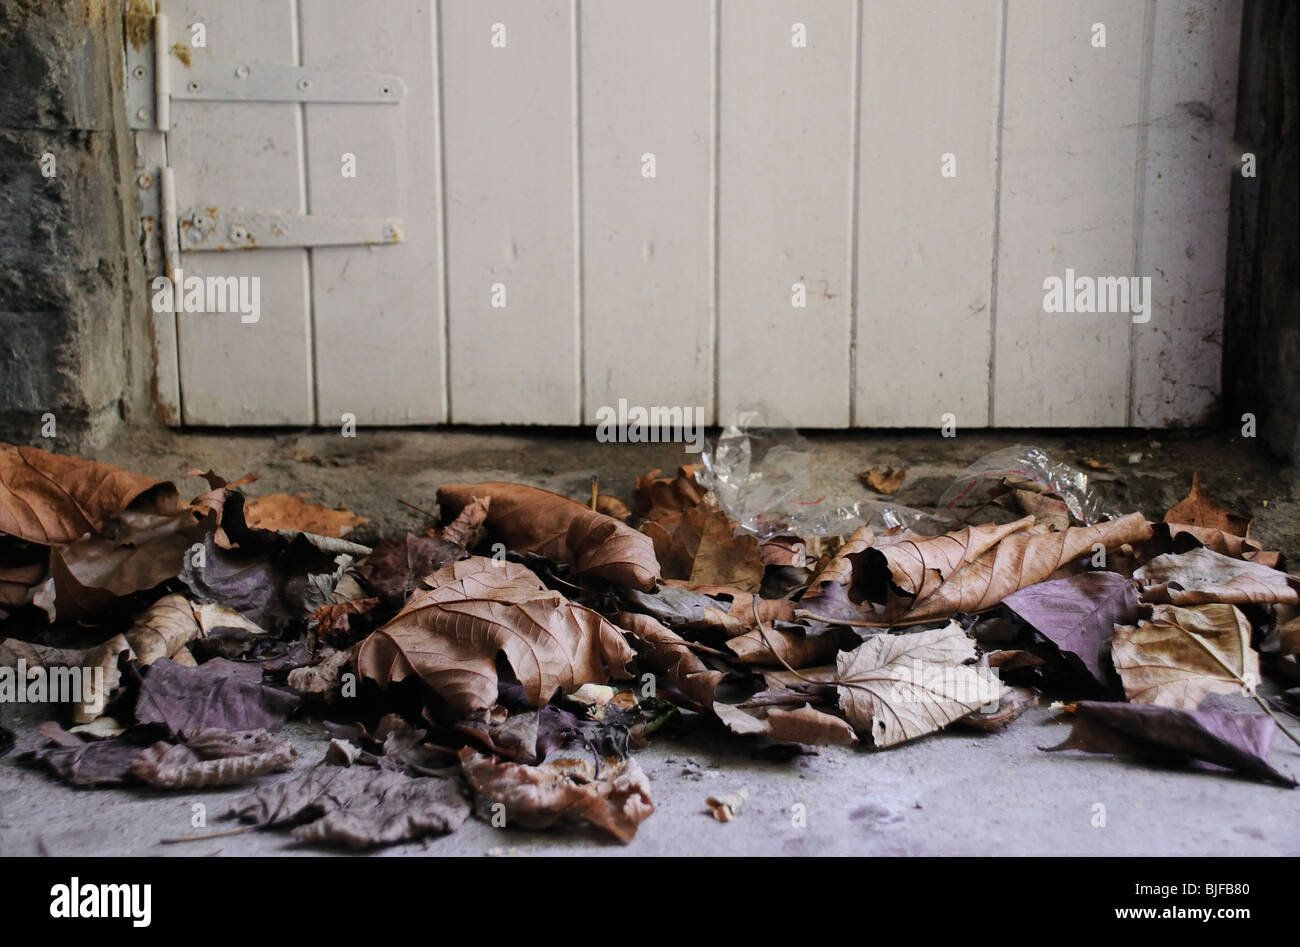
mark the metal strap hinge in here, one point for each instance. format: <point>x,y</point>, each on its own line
<point>182,73</point>
<point>237,228</point>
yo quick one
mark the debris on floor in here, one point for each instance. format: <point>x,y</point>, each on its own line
<point>508,660</point>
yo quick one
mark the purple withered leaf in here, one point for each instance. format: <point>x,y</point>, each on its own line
<point>1078,614</point>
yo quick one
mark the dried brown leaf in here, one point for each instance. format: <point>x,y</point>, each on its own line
<point>50,499</point>
<point>294,512</point>
<point>1182,655</point>
<point>667,653</point>
<point>884,480</point>
<point>899,687</point>
<point>616,800</point>
<point>1202,576</point>
<point>1198,508</point>
<point>528,519</point>
<point>480,608</point>
<point>701,548</point>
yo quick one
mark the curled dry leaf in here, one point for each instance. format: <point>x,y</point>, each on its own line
<point>613,507</point>
<point>1202,576</point>
<point>465,530</point>
<point>786,644</point>
<point>690,681</point>
<point>903,579</point>
<point>787,724</point>
<point>1181,537</point>
<point>884,480</point>
<point>724,808</point>
<point>899,687</point>
<point>134,552</point>
<point>49,499</point>
<point>478,609</point>
<point>84,762</point>
<point>528,519</point>
<point>169,624</point>
<point>1183,655</point>
<point>322,679</point>
<point>176,766</point>
<point>96,666</point>
<point>1012,704</point>
<point>163,629</point>
<point>1236,741</point>
<point>665,498</point>
<point>1199,509</point>
<point>334,622</point>
<point>616,799</point>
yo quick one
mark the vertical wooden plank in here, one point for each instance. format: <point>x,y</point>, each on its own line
<point>647,76</point>
<point>242,155</point>
<point>929,88</point>
<point>509,145</point>
<point>1069,154</point>
<point>379,311</point>
<point>1187,168</point>
<point>785,207</point>
<point>150,147</point>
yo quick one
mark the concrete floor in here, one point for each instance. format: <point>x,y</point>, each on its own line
<point>956,792</point>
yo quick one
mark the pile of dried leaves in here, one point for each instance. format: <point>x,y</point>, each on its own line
<point>506,660</point>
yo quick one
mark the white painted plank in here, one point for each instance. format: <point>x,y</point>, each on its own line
<point>1177,356</point>
<point>785,208</point>
<point>929,88</point>
<point>647,77</point>
<point>1069,155</point>
<point>379,310</point>
<point>508,127</point>
<point>247,155</point>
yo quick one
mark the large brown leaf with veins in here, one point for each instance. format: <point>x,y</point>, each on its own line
<point>478,609</point>
<point>909,579</point>
<point>1202,576</point>
<point>528,519</point>
<point>899,687</point>
<point>49,499</point>
<point>1183,655</point>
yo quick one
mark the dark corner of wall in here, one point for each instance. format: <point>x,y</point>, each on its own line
<point>1262,313</point>
<point>71,277</point>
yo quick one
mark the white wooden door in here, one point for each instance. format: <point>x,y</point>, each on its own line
<point>844,208</point>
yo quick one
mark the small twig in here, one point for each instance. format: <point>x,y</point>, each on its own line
<point>418,509</point>
<point>200,838</point>
<point>595,487</point>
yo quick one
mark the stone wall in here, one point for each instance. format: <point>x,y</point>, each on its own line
<point>72,340</point>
